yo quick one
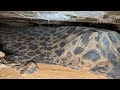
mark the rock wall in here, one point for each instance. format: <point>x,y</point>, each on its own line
<point>74,16</point>
<point>23,18</point>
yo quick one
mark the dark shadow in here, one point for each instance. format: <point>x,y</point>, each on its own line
<point>5,51</point>
<point>108,26</point>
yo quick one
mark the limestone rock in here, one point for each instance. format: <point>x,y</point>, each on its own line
<point>2,54</point>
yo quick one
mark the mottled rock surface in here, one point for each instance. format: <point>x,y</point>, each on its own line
<point>2,54</point>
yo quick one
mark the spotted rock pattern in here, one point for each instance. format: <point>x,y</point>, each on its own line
<point>71,46</point>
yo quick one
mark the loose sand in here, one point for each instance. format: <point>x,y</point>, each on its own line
<point>49,72</point>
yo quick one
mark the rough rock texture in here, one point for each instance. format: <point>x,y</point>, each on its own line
<point>2,54</point>
<point>71,46</point>
<point>59,17</point>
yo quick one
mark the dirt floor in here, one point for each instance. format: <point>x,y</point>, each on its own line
<point>49,72</point>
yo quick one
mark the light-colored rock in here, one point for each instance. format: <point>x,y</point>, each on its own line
<point>2,54</point>
<point>23,18</point>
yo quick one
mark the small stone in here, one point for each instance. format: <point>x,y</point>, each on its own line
<point>29,68</point>
<point>2,54</point>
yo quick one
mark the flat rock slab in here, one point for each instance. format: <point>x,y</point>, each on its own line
<point>48,17</point>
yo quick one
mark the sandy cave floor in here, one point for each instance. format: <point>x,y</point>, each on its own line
<point>49,72</point>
